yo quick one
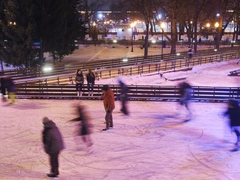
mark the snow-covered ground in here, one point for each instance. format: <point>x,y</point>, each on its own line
<point>152,143</point>
<point>213,74</point>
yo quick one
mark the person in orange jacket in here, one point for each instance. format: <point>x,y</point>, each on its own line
<point>109,105</point>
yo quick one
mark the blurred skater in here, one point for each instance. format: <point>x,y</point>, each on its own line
<point>90,82</point>
<point>3,89</point>
<point>109,105</point>
<point>123,97</point>
<point>185,91</point>
<point>79,80</point>
<point>233,111</point>
<point>11,89</point>
<point>53,144</point>
<point>84,126</point>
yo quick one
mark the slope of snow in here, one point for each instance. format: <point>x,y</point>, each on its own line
<point>214,74</point>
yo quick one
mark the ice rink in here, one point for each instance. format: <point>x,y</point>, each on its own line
<point>153,143</point>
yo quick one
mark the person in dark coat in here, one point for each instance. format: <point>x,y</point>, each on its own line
<point>79,79</point>
<point>53,144</point>
<point>109,105</point>
<point>185,91</point>
<point>3,88</point>
<point>123,97</point>
<point>90,82</point>
<point>233,111</point>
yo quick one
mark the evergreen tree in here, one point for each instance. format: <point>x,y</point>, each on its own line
<point>57,24</point>
<point>16,28</point>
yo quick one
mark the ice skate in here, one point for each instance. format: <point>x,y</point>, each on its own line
<point>234,149</point>
<point>52,175</point>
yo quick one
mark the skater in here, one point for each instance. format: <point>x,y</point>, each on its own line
<point>79,79</point>
<point>109,105</point>
<point>190,53</point>
<point>185,91</point>
<point>123,97</point>
<point>3,89</point>
<point>11,89</point>
<point>84,126</point>
<point>53,144</point>
<point>233,111</point>
<point>90,82</point>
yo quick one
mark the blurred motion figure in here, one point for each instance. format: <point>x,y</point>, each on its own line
<point>84,126</point>
<point>185,91</point>
<point>233,111</point>
<point>123,97</point>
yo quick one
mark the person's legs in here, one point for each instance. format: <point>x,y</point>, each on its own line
<point>54,165</point>
<point>12,96</point>
<point>237,134</point>
<point>92,85</point>
<point>109,120</point>
<point>80,89</point>
<point>77,89</point>
<point>124,108</point>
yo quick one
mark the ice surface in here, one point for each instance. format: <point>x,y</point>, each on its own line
<point>152,143</point>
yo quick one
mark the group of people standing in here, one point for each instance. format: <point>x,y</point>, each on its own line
<point>79,80</point>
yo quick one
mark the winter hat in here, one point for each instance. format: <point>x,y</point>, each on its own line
<point>46,120</point>
<point>120,81</point>
<point>105,87</point>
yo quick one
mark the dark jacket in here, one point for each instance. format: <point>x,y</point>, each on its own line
<point>124,91</point>
<point>52,138</point>
<point>79,79</point>
<point>234,114</point>
<point>185,91</point>
<point>90,78</point>
<point>11,86</point>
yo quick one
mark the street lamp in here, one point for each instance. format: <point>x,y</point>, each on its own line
<point>94,33</point>
<point>208,27</point>
<point>162,25</point>
<point>132,26</point>
<point>216,39</point>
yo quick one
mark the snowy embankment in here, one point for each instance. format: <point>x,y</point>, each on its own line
<point>213,74</point>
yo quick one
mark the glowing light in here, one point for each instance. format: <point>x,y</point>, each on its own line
<point>47,69</point>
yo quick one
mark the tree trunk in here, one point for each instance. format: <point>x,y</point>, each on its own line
<point>173,35</point>
<point>146,42</point>
<point>219,33</point>
<point>195,36</point>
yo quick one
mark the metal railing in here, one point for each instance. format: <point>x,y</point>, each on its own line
<point>25,73</point>
<point>160,67</point>
<point>148,93</point>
